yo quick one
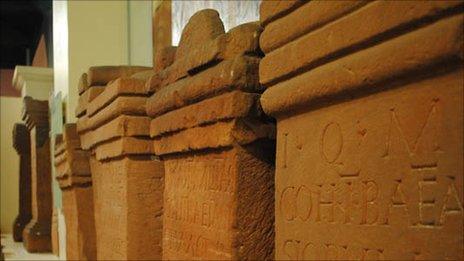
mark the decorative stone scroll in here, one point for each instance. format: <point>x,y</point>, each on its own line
<point>217,147</point>
<point>73,174</point>
<point>36,234</point>
<point>368,98</point>
<point>128,184</point>
<point>22,144</point>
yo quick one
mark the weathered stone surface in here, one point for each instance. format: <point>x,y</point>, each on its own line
<point>54,234</point>
<point>239,73</point>
<point>202,27</point>
<point>122,105</point>
<point>37,234</point>
<point>370,134</point>
<point>69,158</point>
<point>86,97</point>
<point>119,87</point>
<point>73,174</point>
<point>334,39</point>
<point>122,126</point>
<point>22,144</point>
<point>224,107</point>
<point>219,205</point>
<point>365,69</point>
<point>217,147</point>
<point>162,28</point>
<point>240,40</point>
<point>384,166</point>
<point>243,39</point>
<point>123,147</point>
<point>128,207</point>
<point>270,9</point>
<point>218,135</point>
<point>83,84</point>
<point>102,75</point>
<point>164,57</point>
<point>127,183</point>
<point>78,211</point>
<point>308,17</point>
<point>143,75</point>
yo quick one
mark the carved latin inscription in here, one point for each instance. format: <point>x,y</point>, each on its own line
<point>198,207</point>
<point>384,166</point>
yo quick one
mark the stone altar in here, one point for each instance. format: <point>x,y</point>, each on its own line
<point>368,98</point>
<point>128,184</point>
<point>216,144</point>
<point>36,234</point>
<point>73,174</point>
<point>22,145</point>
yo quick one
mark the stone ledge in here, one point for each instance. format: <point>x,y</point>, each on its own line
<point>434,43</point>
<point>122,105</point>
<point>224,107</point>
<point>86,97</point>
<point>214,46</point>
<point>271,10</point>
<point>35,112</point>
<point>122,126</point>
<point>102,75</point>
<point>119,87</point>
<point>217,135</point>
<point>124,146</point>
<point>239,73</point>
<point>347,32</point>
<point>308,17</point>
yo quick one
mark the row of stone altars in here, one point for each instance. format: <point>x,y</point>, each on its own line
<point>177,162</point>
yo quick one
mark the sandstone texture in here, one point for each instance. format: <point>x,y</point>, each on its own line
<point>164,58</point>
<point>37,234</point>
<point>195,53</point>
<point>216,143</point>
<point>162,30</point>
<point>92,83</point>
<point>73,175</point>
<point>22,145</point>
<point>102,75</point>
<point>55,234</point>
<point>127,181</point>
<point>368,98</point>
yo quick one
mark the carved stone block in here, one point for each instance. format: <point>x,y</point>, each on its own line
<point>217,146</point>
<point>73,174</point>
<point>37,233</point>
<point>370,133</point>
<point>127,183</point>
<point>22,144</point>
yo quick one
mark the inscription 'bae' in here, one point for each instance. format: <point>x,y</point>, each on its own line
<point>406,186</point>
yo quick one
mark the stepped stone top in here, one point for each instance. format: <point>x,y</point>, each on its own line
<point>71,162</point>
<point>207,43</point>
<point>208,97</point>
<point>35,112</point>
<point>346,55</point>
<point>114,123</point>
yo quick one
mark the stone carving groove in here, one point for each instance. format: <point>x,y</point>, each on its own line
<point>127,184</point>
<point>370,128</point>
<point>73,175</point>
<point>216,144</point>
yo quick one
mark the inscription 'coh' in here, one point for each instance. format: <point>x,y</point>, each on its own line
<point>415,194</point>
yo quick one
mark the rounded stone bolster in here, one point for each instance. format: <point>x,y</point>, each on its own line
<point>364,70</point>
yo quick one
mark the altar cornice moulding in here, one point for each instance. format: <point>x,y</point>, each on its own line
<point>24,74</point>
